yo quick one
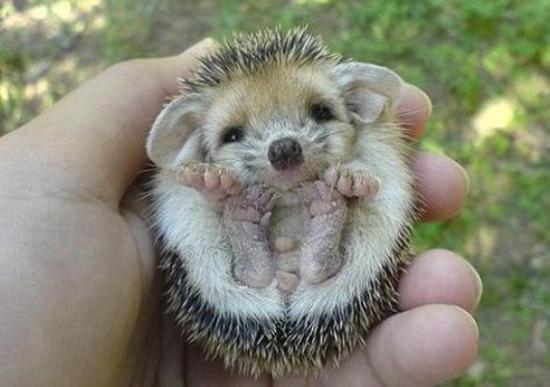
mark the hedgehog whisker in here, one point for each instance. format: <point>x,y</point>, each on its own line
<point>412,112</point>
<point>328,135</point>
<point>228,161</point>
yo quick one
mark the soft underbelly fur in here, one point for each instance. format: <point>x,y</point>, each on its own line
<point>289,324</point>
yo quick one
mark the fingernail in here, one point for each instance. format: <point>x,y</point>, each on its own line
<point>413,110</point>
<point>203,47</point>
<point>478,284</point>
<point>411,92</point>
<point>465,177</point>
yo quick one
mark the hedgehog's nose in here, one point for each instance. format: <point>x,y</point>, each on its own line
<point>285,153</point>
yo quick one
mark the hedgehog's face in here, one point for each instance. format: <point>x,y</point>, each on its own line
<point>278,128</point>
<point>283,125</point>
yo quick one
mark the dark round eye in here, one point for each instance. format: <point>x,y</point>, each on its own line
<point>321,112</point>
<point>232,134</point>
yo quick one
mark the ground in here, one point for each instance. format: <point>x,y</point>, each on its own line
<point>486,66</point>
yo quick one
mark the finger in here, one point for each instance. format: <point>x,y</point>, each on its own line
<point>442,185</point>
<point>200,372</point>
<point>440,277</point>
<point>170,366</point>
<point>423,346</point>
<point>413,110</point>
<point>353,371</point>
<point>95,136</point>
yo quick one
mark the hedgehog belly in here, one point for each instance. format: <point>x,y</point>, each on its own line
<point>285,234</point>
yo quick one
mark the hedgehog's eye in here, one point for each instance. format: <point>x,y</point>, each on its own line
<point>321,112</point>
<point>232,134</point>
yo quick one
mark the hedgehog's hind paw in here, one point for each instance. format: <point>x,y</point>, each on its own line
<point>316,269</point>
<point>253,205</point>
<point>254,274</point>
<point>245,218</point>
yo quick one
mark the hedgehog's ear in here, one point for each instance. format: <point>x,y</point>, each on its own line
<point>369,89</point>
<point>173,136</point>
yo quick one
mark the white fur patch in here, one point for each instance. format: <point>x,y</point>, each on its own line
<point>194,230</point>
<point>371,233</point>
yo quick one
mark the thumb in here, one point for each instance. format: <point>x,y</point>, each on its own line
<point>93,139</point>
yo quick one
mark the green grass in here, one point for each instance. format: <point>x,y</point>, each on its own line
<point>469,56</point>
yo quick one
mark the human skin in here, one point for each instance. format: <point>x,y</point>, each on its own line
<point>79,294</point>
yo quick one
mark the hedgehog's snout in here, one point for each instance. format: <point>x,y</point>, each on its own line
<point>285,153</point>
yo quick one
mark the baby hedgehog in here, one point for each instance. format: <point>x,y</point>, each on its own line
<point>282,202</point>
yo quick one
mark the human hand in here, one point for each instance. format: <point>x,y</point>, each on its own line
<point>78,286</point>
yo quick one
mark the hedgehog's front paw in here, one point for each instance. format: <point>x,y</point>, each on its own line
<point>252,205</point>
<point>214,181</point>
<point>351,181</point>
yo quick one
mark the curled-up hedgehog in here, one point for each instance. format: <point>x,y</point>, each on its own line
<point>282,202</point>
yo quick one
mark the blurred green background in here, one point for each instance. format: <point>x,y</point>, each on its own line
<point>486,66</point>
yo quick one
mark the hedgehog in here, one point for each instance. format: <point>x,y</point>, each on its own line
<point>282,202</point>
